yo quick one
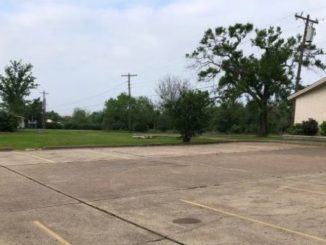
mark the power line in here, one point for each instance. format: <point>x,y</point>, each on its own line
<point>308,23</point>
<point>88,97</point>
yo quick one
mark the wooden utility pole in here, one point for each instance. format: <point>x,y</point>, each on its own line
<point>129,100</point>
<point>308,22</point>
<point>44,109</point>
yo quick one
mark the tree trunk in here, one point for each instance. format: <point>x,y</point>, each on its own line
<point>263,119</point>
<point>186,138</point>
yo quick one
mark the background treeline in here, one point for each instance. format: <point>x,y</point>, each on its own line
<point>252,87</point>
<point>223,117</point>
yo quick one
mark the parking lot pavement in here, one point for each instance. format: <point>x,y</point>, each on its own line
<point>236,193</point>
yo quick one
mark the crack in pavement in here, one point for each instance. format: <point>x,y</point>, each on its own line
<point>94,207</point>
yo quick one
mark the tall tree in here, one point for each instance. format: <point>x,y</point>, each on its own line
<point>96,117</point>
<point>54,116</point>
<point>33,111</point>
<point>190,113</point>
<point>263,75</point>
<point>79,116</point>
<point>8,122</point>
<point>15,86</point>
<point>116,113</point>
<point>170,88</point>
<point>229,116</point>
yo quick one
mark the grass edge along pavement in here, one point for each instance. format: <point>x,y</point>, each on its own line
<point>69,139</point>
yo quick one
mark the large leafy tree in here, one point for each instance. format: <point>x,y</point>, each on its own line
<point>262,75</point>
<point>96,117</point>
<point>8,122</point>
<point>190,113</point>
<point>169,89</point>
<point>115,115</point>
<point>79,116</point>
<point>15,86</point>
<point>54,116</point>
<point>116,112</point>
<point>33,111</point>
<point>229,116</point>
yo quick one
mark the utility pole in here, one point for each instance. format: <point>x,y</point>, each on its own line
<point>129,100</point>
<point>44,109</point>
<point>308,22</point>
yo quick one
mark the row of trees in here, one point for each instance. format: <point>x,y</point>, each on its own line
<point>253,84</point>
<point>180,108</point>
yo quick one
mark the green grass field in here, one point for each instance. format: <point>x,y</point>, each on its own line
<point>26,139</point>
<point>31,139</point>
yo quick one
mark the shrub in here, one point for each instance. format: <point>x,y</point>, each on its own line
<point>310,127</point>
<point>323,128</point>
<point>236,129</point>
<point>140,127</point>
<point>54,125</point>
<point>114,126</point>
<point>295,129</point>
<point>8,122</point>
<point>84,126</point>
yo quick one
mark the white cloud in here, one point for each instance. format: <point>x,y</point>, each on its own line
<point>80,48</point>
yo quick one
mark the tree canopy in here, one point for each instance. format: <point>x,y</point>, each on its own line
<point>170,88</point>
<point>262,75</point>
<point>190,113</point>
<point>34,112</point>
<point>116,113</point>
<point>15,86</point>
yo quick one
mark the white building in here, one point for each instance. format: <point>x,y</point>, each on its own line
<point>310,102</point>
<point>21,121</point>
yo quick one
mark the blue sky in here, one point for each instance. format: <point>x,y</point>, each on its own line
<point>79,49</point>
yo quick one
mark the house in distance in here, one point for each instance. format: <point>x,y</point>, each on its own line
<point>310,102</point>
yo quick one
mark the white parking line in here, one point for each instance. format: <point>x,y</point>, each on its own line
<point>109,154</point>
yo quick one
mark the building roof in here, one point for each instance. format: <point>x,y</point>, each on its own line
<point>313,86</point>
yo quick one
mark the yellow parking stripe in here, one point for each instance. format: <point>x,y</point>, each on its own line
<point>38,157</point>
<point>109,154</point>
<point>51,233</point>
<point>276,227</point>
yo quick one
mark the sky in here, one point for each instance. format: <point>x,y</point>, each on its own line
<point>80,48</point>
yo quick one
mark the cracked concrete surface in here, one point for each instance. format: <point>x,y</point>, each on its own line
<point>242,193</point>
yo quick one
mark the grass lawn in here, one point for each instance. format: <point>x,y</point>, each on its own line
<point>270,138</point>
<point>25,139</point>
<point>29,139</point>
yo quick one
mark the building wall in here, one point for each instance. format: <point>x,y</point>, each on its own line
<point>21,122</point>
<point>311,105</point>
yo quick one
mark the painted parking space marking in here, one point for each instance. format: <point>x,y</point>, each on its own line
<point>109,154</point>
<point>305,190</point>
<point>38,157</point>
<point>234,169</point>
<point>252,220</point>
<point>51,233</point>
